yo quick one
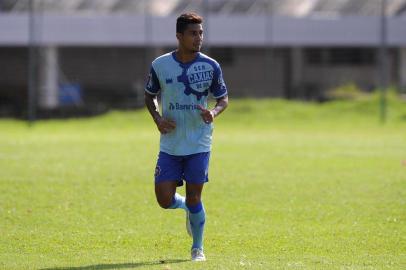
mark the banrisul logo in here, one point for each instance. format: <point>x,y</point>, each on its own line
<point>182,107</point>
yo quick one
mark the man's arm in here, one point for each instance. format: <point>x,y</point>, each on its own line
<point>164,125</point>
<point>208,115</point>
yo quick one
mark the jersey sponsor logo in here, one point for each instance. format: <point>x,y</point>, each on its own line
<point>182,107</point>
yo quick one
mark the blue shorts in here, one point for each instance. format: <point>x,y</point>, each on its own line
<point>191,168</point>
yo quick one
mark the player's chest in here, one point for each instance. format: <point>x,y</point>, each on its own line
<point>198,75</point>
<point>194,79</point>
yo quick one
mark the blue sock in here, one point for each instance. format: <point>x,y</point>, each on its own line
<point>178,201</point>
<point>197,219</point>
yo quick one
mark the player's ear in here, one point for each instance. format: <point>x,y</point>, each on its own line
<point>178,35</point>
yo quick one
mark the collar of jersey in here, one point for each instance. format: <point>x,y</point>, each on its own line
<point>187,63</point>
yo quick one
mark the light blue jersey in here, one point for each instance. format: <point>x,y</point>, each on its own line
<point>183,86</point>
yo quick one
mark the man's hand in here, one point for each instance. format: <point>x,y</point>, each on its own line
<point>164,125</point>
<point>207,115</point>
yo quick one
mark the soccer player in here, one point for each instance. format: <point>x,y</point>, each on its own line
<point>184,78</point>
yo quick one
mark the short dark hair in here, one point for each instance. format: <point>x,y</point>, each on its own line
<point>187,18</point>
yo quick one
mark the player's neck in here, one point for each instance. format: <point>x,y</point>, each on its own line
<point>185,56</point>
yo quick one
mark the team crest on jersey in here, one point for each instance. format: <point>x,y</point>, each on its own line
<point>197,79</point>
<point>149,84</point>
<point>157,171</point>
<point>221,81</point>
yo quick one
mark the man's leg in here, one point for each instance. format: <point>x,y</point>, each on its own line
<point>166,195</point>
<point>168,172</point>
<point>196,174</point>
<point>197,216</point>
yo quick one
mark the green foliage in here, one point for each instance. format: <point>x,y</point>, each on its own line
<point>293,185</point>
<point>348,91</point>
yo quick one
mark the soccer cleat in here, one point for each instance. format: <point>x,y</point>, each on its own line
<point>198,255</point>
<point>188,226</point>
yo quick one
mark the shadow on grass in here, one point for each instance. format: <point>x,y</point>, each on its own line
<point>116,265</point>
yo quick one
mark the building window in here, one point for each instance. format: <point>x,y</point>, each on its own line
<point>225,56</point>
<point>313,56</point>
<point>340,56</point>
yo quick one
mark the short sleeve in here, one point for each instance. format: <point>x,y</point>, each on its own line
<point>152,86</point>
<point>218,87</point>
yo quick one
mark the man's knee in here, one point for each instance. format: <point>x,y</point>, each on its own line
<point>192,199</point>
<point>164,193</point>
<point>164,201</point>
<point>193,194</point>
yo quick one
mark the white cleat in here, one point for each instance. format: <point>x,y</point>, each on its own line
<point>198,255</point>
<point>188,226</point>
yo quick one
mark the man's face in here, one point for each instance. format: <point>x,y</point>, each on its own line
<point>191,39</point>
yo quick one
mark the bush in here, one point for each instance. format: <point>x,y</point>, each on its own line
<point>346,92</point>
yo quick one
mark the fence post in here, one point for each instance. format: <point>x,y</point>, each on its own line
<point>32,63</point>
<point>383,62</point>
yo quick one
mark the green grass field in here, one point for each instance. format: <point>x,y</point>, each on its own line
<point>292,186</point>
